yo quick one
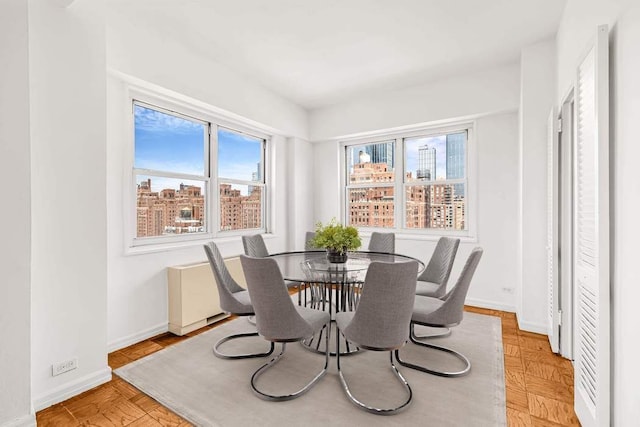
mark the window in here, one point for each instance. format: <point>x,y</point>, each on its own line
<point>171,171</point>
<point>241,180</point>
<point>424,190</point>
<point>370,190</point>
<point>178,193</point>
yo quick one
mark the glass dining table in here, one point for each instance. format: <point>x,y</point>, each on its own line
<point>330,286</point>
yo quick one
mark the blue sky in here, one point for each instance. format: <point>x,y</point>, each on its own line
<point>169,143</point>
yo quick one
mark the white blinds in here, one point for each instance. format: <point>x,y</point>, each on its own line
<point>591,242</point>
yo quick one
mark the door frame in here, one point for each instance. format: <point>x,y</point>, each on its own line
<point>566,155</point>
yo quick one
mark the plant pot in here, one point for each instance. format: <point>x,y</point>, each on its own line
<point>334,256</point>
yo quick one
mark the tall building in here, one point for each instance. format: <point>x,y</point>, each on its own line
<point>238,212</point>
<point>456,143</point>
<point>380,153</point>
<point>371,206</point>
<point>256,176</point>
<point>426,163</point>
<point>169,211</point>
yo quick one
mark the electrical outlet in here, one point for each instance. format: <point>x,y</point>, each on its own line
<point>62,367</point>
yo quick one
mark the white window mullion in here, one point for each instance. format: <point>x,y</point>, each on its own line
<point>399,211</point>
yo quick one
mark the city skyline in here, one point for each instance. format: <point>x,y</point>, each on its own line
<point>449,150</point>
<point>183,211</point>
<point>167,142</point>
<point>428,205</point>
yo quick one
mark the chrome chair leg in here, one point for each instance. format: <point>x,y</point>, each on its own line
<point>444,332</point>
<point>223,340</point>
<point>272,362</point>
<point>364,406</point>
<point>450,374</point>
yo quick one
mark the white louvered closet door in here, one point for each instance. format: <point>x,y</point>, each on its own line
<point>553,291</point>
<point>591,225</point>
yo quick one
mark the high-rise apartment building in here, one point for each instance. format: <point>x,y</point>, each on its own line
<point>180,211</point>
<point>426,163</point>
<point>238,212</point>
<point>371,206</point>
<point>169,211</point>
<point>456,143</point>
<point>380,153</point>
<point>256,176</point>
<point>427,206</point>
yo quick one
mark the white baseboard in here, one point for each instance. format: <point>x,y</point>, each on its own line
<point>523,325</point>
<point>136,338</point>
<point>72,388</point>
<point>532,327</point>
<point>491,305</point>
<point>24,421</point>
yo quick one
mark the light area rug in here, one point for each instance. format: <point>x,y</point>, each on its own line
<point>208,391</point>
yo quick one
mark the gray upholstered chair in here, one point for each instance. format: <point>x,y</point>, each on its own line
<point>254,246</point>
<point>381,320</point>
<point>279,320</point>
<point>234,299</point>
<point>445,312</point>
<point>382,242</point>
<point>433,280</point>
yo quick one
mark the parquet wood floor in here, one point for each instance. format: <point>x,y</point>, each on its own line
<point>539,386</point>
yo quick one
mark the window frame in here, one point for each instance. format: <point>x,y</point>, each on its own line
<point>263,183</point>
<point>195,111</point>
<point>400,183</point>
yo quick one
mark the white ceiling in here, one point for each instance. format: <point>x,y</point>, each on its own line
<point>316,53</point>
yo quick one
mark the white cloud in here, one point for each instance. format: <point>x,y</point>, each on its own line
<point>155,121</point>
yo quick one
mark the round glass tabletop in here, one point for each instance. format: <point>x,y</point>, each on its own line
<point>314,265</point>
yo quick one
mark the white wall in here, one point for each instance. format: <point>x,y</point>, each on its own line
<point>68,189</point>
<point>137,284</point>
<point>472,93</point>
<point>577,29</point>
<point>326,181</point>
<point>625,152</point>
<point>300,170</point>
<point>148,54</point>
<point>537,71</point>
<point>497,167</point>
<point>15,290</point>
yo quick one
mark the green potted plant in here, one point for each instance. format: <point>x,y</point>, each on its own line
<point>337,239</point>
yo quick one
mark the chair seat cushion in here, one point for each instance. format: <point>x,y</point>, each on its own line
<point>343,318</point>
<point>429,289</point>
<point>244,303</point>
<point>316,318</point>
<point>425,310</point>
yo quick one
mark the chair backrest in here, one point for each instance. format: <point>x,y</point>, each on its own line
<point>452,310</point>
<point>381,320</point>
<point>307,245</point>
<point>254,246</point>
<point>441,262</point>
<point>382,242</point>
<point>276,316</point>
<point>226,285</point>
